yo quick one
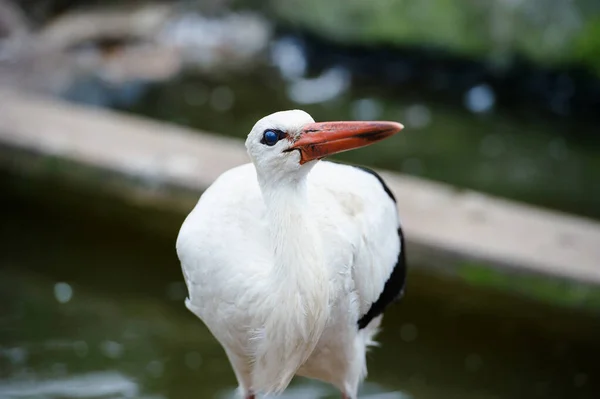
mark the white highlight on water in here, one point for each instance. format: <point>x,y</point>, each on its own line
<point>63,292</point>
<point>480,98</point>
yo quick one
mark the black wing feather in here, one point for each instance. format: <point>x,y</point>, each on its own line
<point>393,289</point>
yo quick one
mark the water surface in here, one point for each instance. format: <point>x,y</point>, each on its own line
<point>92,306</point>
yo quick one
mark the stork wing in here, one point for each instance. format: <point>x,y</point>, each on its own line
<point>379,266</point>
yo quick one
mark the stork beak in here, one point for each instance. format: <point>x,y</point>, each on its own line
<point>318,140</point>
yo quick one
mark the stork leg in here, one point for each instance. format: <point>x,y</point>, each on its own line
<point>242,374</point>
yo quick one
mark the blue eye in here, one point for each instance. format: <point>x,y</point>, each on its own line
<point>270,137</point>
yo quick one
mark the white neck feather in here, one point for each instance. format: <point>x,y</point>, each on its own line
<point>298,297</point>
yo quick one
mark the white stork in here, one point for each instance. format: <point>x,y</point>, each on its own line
<point>290,261</point>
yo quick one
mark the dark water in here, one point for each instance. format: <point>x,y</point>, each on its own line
<point>91,305</point>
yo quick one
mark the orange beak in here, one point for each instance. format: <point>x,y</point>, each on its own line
<point>318,140</point>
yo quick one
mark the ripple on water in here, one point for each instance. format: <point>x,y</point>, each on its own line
<point>311,389</point>
<point>92,385</point>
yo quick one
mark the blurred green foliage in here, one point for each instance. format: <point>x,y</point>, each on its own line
<point>543,288</point>
<point>547,31</point>
<point>551,32</point>
<point>587,45</point>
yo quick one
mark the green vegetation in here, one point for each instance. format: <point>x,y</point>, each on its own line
<point>542,288</point>
<point>550,32</point>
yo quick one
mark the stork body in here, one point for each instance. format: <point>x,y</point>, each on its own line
<point>290,261</point>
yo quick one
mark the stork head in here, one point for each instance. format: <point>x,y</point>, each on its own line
<point>287,144</point>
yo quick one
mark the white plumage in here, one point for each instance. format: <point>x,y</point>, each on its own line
<point>282,257</point>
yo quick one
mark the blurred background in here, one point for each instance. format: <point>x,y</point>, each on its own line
<point>498,96</point>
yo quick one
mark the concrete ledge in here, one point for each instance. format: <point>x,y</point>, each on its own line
<point>445,227</point>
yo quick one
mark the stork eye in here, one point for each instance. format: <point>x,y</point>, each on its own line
<point>271,137</point>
